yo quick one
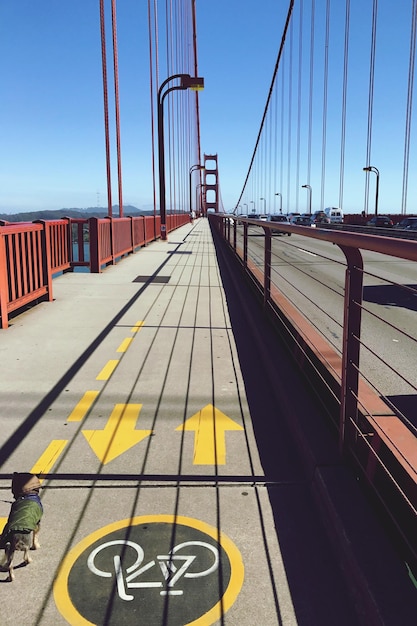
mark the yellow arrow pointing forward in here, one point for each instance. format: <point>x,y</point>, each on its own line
<point>119,434</point>
<point>209,425</point>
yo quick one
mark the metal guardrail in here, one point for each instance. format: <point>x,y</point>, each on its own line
<point>31,253</point>
<point>374,430</point>
<point>25,267</point>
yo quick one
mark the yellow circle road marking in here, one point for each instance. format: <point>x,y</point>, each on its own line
<point>70,613</point>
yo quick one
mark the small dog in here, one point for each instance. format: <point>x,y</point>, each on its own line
<point>22,527</point>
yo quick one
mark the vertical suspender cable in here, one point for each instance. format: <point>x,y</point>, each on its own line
<point>310,95</point>
<point>281,169</point>
<point>271,189</point>
<point>156,31</point>
<point>287,21</point>
<point>409,107</point>
<point>275,144</point>
<point>197,108</point>
<point>152,98</point>
<point>299,99</point>
<point>116,97</point>
<point>168,38</point>
<point>344,98</point>
<point>325,89</point>
<point>176,104</point>
<point>106,107</point>
<point>371,99</point>
<point>289,136</point>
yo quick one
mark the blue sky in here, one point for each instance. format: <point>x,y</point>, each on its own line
<point>51,110</point>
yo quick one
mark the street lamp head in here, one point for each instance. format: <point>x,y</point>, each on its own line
<point>197,166</point>
<point>192,82</point>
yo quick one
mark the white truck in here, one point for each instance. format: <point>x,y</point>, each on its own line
<point>334,214</point>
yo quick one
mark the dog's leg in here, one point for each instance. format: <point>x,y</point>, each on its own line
<point>9,553</point>
<point>27,559</point>
<point>35,542</point>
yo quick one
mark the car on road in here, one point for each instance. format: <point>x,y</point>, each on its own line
<point>319,217</point>
<point>303,220</point>
<point>380,221</point>
<point>283,219</point>
<point>258,216</point>
<point>292,217</point>
<point>408,223</point>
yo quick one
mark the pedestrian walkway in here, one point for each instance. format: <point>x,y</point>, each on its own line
<point>155,401</point>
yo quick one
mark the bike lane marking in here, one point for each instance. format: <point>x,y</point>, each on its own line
<point>125,344</point>
<point>108,369</point>
<point>119,434</point>
<point>83,406</point>
<point>203,574</point>
<point>49,457</point>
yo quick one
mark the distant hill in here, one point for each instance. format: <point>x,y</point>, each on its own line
<point>74,212</point>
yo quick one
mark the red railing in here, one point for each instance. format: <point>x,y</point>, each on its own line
<point>327,313</point>
<point>25,267</point>
<point>31,253</point>
<point>58,236</point>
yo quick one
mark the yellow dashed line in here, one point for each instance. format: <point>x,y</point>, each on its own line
<point>125,344</point>
<point>83,406</point>
<point>48,459</point>
<point>108,369</point>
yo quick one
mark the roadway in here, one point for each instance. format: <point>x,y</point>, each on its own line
<point>187,474</point>
<point>310,272</point>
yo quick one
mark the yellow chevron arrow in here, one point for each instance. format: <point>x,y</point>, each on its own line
<point>119,434</point>
<point>210,426</point>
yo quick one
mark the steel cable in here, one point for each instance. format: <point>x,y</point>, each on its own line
<point>409,107</point>
<point>371,98</point>
<point>344,98</point>
<point>287,22</point>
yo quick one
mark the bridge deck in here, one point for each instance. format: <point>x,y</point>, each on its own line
<point>157,403</point>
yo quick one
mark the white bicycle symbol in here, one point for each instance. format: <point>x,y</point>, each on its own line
<point>172,565</point>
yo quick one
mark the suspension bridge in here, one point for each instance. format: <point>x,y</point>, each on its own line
<point>221,408</point>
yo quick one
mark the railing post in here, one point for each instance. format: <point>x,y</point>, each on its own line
<point>245,245</point>
<point>46,256</point>
<point>132,233</point>
<point>111,222</point>
<point>4,286</point>
<point>69,243</point>
<point>351,342</point>
<point>144,228</point>
<point>94,245</point>
<point>267,265</point>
